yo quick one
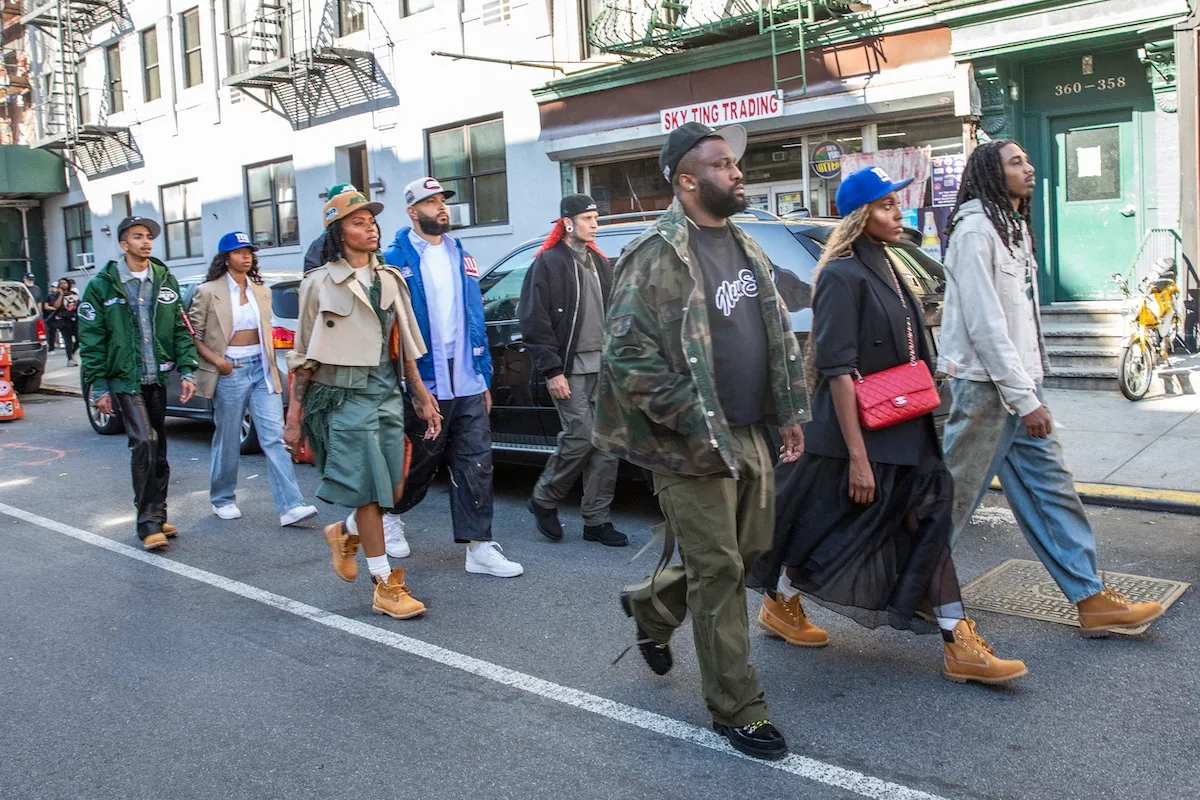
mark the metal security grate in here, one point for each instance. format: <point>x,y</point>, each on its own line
<point>1093,164</point>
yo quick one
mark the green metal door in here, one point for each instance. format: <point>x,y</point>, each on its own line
<point>1095,203</point>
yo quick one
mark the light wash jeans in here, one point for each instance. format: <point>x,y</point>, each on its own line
<point>982,441</point>
<point>246,387</point>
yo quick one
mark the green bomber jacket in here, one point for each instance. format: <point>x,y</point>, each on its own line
<point>657,405</point>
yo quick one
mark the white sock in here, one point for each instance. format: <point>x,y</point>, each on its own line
<point>352,524</point>
<point>379,567</point>
<point>473,546</point>
<point>785,588</point>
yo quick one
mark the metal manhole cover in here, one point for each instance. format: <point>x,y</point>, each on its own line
<point>1025,589</point>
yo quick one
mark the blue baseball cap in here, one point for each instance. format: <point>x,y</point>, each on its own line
<point>235,241</point>
<point>865,187</point>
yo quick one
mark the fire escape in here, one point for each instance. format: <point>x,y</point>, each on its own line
<point>14,74</point>
<point>288,61</point>
<point>639,29</point>
<point>62,117</point>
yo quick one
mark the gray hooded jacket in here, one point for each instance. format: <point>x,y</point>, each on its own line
<point>991,324</point>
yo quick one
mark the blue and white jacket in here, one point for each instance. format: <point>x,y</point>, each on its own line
<point>405,255</point>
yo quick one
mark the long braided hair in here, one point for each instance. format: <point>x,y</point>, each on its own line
<point>220,265</point>
<point>984,180</point>
<point>837,245</point>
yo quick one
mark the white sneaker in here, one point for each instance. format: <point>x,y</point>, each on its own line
<point>228,512</point>
<point>72,362</point>
<point>297,514</point>
<point>488,559</point>
<point>393,537</point>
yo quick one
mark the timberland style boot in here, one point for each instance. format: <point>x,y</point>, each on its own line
<point>785,619</point>
<point>344,547</point>
<point>393,598</point>
<point>1102,612</point>
<point>970,658</point>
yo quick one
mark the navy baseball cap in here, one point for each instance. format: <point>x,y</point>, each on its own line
<point>865,187</point>
<point>235,241</point>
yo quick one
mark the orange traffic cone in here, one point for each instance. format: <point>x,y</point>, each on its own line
<point>10,406</point>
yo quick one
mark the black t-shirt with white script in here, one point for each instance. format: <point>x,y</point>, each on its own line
<point>739,337</point>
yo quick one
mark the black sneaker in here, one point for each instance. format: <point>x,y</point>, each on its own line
<point>547,521</point>
<point>758,739</point>
<point>657,656</point>
<point>605,534</point>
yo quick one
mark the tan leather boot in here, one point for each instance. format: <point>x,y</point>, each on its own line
<point>786,620</point>
<point>344,548</point>
<point>393,598</point>
<point>1102,612</point>
<point>970,658</point>
<point>170,531</point>
<point>154,541</point>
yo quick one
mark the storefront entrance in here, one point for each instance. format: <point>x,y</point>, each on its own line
<point>784,199</point>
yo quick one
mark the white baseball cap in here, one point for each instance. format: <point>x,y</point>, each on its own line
<point>423,189</point>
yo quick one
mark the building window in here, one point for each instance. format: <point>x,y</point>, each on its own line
<point>193,69</point>
<point>150,79</point>
<point>624,187</point>
<point>116,95</point>
<point>181,213</point>
<point>271,196</point>
<point>470,161</point>
<point>78,223</point>
<point>410,7</point>
<point>589,10</point>
<point>84,101</point>
<point>352,17</point>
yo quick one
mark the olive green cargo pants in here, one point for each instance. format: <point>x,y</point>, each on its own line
<point>723,525</point>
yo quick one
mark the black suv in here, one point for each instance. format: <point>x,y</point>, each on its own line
<point>524,422</point>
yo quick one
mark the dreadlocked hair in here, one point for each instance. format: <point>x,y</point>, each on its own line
<point>220,266</point>
<point>557,234</point>
<point>984,180</point>
<point>837,245</point>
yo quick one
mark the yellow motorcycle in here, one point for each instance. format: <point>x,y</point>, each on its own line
<point>1153,327</point>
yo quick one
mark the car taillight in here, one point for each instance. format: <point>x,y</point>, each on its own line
<point>41,329</point>
<point>282,338</point>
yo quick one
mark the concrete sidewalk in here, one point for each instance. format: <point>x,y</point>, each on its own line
<point>1145,454</point>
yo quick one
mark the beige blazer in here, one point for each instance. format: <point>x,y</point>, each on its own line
<point>211,315</point>
<point>339,329</point>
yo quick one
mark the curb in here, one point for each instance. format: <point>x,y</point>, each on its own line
<point>1175,501</point>
<point>68,391</point>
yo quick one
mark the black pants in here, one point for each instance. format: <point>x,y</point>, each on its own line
<point>51,332</point>
<point>70,334</point>
<point>466,445</point>
<point>145,418</point>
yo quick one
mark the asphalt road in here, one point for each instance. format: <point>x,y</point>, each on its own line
<point>251,671</point>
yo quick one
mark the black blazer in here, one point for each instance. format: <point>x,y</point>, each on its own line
<point>858,323</point>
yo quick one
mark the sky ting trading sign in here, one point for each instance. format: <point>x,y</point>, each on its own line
<point>724,112</point>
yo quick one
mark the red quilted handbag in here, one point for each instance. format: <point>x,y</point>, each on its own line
<point>898,394</point>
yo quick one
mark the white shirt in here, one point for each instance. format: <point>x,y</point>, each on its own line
<point>364,275</point>
<point>441,298</point>
<point>144,275</point>
<point>246,318</point>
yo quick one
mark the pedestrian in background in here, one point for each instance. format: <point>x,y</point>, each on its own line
<point>50,308</point>
<point>993,349</point>
<point>699,356</point>
<point>67,320</point>
<point>132,334</point>
<point>30,281</point>
<point>457,371</point>
<point>863,518</point>
<point>562,307</point>
<point>355,335</point>
<point>231,320</point>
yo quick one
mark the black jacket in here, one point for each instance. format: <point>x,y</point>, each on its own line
<point>858,323</point>
<point>549,306</point>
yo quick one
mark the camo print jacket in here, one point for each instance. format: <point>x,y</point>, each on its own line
<point>656,405</point>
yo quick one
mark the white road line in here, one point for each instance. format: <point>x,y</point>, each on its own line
<point>808,768</point>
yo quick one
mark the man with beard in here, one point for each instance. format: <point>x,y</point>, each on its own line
<point>562,323</point>
<point>699,355</point>
<point>457,371</point>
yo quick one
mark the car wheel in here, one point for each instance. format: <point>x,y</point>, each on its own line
<point>248,436</point>
<point>27,383</point>
<point>103,424</point>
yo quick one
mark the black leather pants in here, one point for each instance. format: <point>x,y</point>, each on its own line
<point>145,417</point>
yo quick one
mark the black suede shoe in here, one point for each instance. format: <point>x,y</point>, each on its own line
<point>657,656</point>
<point>758,739</point>
<point>547,521</point>
<point>605,534</point>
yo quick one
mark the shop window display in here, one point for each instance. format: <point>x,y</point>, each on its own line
<point>626,187</point>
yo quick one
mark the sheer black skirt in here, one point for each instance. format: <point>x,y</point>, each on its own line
<point>887,563</point>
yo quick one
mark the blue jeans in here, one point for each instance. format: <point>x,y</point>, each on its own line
<point>246,387</point>
<point>982,441</point>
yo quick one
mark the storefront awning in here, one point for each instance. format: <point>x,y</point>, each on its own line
<point>25,172</point>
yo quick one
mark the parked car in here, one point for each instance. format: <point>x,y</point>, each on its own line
<point>284,311</point>
<point>22,328</point>
<point>525,424</point>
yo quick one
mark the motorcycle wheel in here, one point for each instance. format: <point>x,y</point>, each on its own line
<point>1136,370</point>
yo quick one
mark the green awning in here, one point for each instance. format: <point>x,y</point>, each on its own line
<point>30,173</point>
